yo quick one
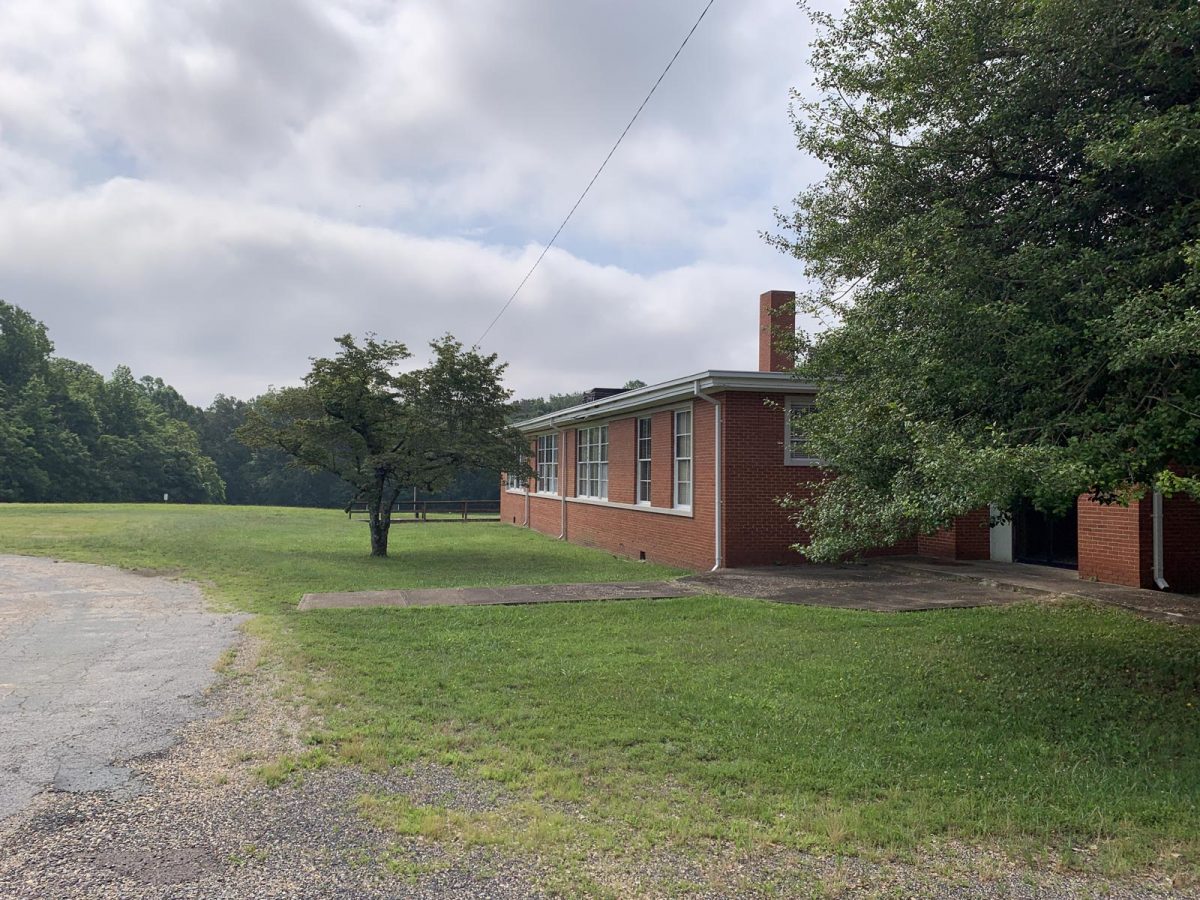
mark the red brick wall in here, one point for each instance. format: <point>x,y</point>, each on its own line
<point>941,544</point>
<point>685,541</point>
<point>757,531</point>
<point>622,461</point>
<point>512,506</point>
<point>662,459</point>
<point>967,538</point>
<point>1115,543</point>
<point>1181,543</point>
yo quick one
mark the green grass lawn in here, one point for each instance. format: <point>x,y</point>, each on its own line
<point>1067,731</point>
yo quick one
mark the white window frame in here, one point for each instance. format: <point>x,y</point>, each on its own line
<point>591,462</point>
<point>806,403</point>
<point>689,458</point>
<point>644,461</point>
<point>547,464</point>
<point>514,481</point>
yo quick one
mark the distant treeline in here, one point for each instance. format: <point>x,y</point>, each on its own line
<point>67,433</point>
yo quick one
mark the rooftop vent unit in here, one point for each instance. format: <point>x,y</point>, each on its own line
<point>601,393</point>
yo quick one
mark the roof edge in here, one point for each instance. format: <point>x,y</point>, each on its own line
<point>678,388</point>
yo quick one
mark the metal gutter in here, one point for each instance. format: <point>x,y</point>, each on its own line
<point>665,392</point>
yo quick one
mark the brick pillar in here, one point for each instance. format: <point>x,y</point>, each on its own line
<point>776,316</point>
<point>1181,543</point>
<point>1116,542</point>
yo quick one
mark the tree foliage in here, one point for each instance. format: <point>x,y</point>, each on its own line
<point>67,433</point>
<point>382,430</point>
<point>1007,245</point>
<point>533,407</point>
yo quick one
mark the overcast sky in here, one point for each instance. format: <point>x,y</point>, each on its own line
<point>211,190</point>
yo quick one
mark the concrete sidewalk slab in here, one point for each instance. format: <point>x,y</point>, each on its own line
<point>1031,580</point>
<point>897,584</point>
<point>509,595</point>
<point>846,587</point>
<point>851,586</point>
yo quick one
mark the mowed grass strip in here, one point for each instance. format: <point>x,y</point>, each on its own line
<point>262,559</point>
<point>1067,729</point>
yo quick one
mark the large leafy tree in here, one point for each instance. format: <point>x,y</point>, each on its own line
<point>1007,247</point>
<point>382,430</point>
<point>66,433</point>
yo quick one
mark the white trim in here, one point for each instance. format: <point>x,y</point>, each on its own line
<point>667,392</point>
<point>1000,536</point>
<point>517,491</point>
<point>602,446</point>
<point>638,459</point>
<point>634,507</point>
<point>542,462</point>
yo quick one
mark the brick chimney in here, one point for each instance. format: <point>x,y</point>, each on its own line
<point>776,316</point>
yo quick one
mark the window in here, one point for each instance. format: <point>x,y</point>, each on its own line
<point>514,479</point>
<point>796,452</point>
<point>683,459</point>
<point>643,461</point>
<point>547,464</point>
<point>592,463</point>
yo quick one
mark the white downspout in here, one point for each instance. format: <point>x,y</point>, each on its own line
<point>1157,520</point>
<point>562,481</point>
<point>525,524</point>
<point>718,500</point>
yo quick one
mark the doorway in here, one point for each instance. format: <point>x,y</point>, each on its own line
<point>1046,540</point>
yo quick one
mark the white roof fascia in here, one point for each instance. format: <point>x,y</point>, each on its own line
<point>666,392</point>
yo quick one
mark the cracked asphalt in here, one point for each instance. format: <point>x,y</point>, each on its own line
<point>97,667</point>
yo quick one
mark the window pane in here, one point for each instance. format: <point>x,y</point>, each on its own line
<point>797,439</point>
<point>683,458</point>
<point>683,487</point>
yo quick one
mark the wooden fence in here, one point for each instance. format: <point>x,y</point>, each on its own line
<point>436,511</point>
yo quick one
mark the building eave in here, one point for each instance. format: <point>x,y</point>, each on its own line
<point>710,381</point>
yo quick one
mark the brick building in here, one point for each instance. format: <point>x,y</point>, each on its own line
<point>688,472</point>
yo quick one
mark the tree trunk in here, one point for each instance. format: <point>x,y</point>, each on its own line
<point>381,521</point>
<point>379,536</point>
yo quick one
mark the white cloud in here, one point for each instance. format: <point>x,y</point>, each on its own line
<point>210,191</point>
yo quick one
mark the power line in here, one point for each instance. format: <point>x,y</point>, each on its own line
<point>546,249</point>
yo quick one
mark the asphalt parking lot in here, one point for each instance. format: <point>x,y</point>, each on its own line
<point>97,667</point>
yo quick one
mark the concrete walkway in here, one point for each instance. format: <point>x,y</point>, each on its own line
<point>846,587</point>
<point>896,584</point>
<point>513,595</point>
<point>852,586</point>
<point>1047,580</point>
